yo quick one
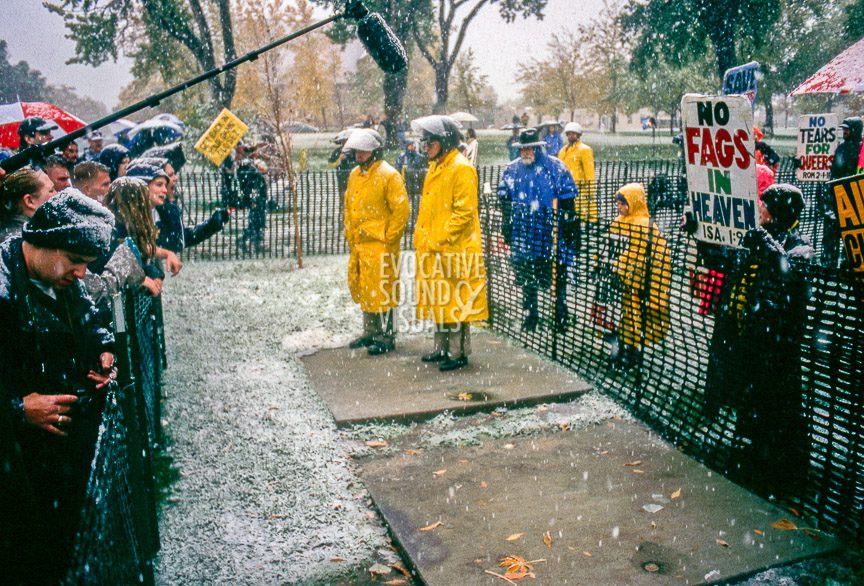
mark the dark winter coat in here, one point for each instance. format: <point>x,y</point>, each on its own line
<point>176,237</point>
<point>845,161</point>
<point>47,346</point>
<point>526,193</point>
<point>755,355</point>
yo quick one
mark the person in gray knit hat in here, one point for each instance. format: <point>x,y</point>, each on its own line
<point>56,359</point>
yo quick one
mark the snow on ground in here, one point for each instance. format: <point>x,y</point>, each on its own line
<point>267,490</point>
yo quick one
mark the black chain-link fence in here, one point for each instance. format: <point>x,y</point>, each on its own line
<point>118,534</point>
<point>684,365</point>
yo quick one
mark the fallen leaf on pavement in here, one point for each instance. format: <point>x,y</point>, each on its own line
<point>587,554</point>
<point>396,582</point>
<point>636,463</point>
<point>434,525</point>
<point>676,494</point>
<point>376,444</point>
<point>637,471</point>
<point>515,536</point>
<point>758,532</point>
<point>441,472</point>
<point>400,567</point>
<point>413,452</point>
<point>483,484</point>
<point>784,524</point>
<point>338,559</point>
<point>379,570</point>
<point>464,461</point>
<point>547,539</point>
<point>465,396</point>
<point>721,542</point>
<point>509,446</point>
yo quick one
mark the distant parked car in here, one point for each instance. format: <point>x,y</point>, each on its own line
<point>300,127</point>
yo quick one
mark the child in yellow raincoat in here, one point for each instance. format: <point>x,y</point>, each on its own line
<point>644,271</point>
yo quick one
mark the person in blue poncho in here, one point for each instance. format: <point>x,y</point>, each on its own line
<point>541,239</point>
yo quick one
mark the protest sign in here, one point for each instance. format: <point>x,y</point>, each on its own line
<point>222,136</point>
<point>817,141</point>
<point>849,203</point>
<point>742,80</point>
<point>721,167</point>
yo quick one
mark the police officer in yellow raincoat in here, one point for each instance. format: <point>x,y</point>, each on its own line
<point>376,212</point>
<point>579,160</point>
<point>644,272</point>
<point>451,276</point>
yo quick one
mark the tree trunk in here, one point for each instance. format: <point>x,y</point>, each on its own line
<point>723,38</point>
<point>769,117</point>
<point>442,93</point>
<point>395,85</point>
<point>614,124</point>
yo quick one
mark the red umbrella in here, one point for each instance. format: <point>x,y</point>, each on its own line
<point>844,74</point>
<point>11,116</point>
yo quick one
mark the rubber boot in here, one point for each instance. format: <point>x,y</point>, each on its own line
<point>384,340</point>
<point>461,360</point>
<point>369,329</point>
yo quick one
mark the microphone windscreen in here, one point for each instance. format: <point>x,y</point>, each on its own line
<point>382,43</point>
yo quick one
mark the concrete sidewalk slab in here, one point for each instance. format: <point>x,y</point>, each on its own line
<point>357,387</point>
<point>619,505</point>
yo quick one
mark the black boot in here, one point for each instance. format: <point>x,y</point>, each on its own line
<point>362,342</point>
<point>436,356</point>
<point>453,363</point>
<point>379,347</point>
<point>529,324</point>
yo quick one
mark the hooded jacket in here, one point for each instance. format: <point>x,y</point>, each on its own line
<point>845,161</point>
<point>451,275</point>
<point>645,275</point>
<point>376,213</point>
<point>527,194</point>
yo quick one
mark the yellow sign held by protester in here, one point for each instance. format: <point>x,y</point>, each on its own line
<point>222,136</point>
<point>849,202</point>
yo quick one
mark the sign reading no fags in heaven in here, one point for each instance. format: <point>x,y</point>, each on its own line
<point>817,141</point>
<point>721,168</point>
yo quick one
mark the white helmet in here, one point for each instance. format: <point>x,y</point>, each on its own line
<point>363,139</point>
<point>573,127</point>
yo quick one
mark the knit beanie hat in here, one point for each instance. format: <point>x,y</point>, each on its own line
<point>73,222</point>
<point>145,171</point>
<point>785,203</point>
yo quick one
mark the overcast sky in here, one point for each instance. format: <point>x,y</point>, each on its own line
<point>498,47</point>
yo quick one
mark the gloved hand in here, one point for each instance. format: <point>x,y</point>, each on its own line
<point>221,215</point>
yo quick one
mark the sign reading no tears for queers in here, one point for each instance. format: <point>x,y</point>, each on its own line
<point>849,202</point>
<point>721,168</point>
<point>817,141</point>
<point>222,136</point>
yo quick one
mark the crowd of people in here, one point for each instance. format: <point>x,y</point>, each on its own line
<point>77,230</point>
<point>74,233</point>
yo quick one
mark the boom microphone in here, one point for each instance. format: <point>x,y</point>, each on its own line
<point>381,42</point>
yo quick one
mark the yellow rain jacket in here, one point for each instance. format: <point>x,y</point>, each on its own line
<point>376,212</point>
<point>579,160</point>
<point>451,276</point>
<point>645,305</point>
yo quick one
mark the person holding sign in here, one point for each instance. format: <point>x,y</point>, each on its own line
<point>845,164</point>
<point>376,213</point>
<point>754,356</point>
<point>644,271</point>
